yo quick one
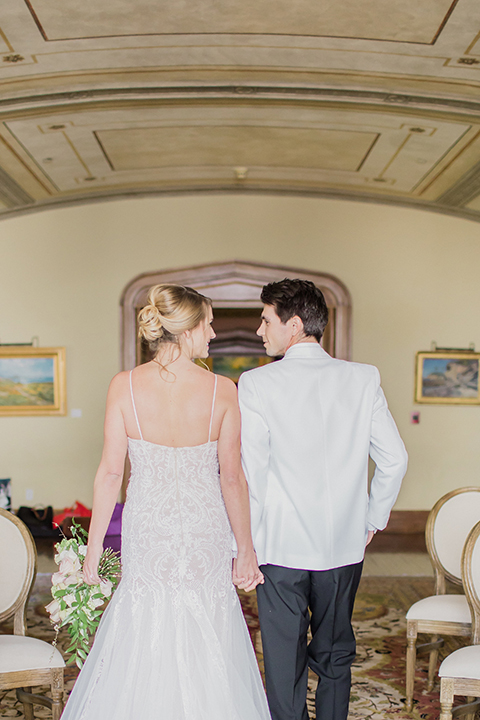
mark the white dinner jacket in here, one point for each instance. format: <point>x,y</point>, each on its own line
<point>309,424</point>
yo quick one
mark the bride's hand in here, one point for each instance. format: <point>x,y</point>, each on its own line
<point>246,574</point>
<point>90,566</point>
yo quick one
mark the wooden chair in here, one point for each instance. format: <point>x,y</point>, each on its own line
<point>448,525</point>
<point>25,662</point>
<point>460,671</point>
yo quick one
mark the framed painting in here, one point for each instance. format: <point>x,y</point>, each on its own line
<point>32,381</point>
<point>450,378</point>
<point>234,365</point>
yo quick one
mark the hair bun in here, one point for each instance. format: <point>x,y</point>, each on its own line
<point>150,323</point>
<point>170,311</point>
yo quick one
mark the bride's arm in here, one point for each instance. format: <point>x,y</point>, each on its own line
<point>246,574</point>
<point>108,479</point>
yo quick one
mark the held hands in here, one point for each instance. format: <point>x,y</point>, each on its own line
<point>246,574</point>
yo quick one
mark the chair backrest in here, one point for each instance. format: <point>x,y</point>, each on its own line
<point>18,567</point>
<point>448,526</point>
<point>471,579</point>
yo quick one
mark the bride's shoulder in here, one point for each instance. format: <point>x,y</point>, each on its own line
<point>226,387</point>
<point>124,377</point>
<point>119,382</point>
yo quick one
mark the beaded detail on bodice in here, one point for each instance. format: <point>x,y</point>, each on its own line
<point>175,525</point>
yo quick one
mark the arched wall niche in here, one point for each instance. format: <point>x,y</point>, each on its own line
<point>236,285</point>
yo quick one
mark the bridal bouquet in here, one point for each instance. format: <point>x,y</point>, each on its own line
<point>75,604</point>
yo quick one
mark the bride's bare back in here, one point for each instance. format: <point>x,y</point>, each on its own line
<point>174,405</point>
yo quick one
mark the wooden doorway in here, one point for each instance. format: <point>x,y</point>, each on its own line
<point>235,291</point>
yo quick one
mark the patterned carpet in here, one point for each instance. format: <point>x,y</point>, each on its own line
<point>378,689</point>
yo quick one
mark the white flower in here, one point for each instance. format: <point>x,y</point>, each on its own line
<point>61,581</point>
<point>53,609</point>
<point>69,599</point>
<point>75,579</point>
<point>82,550</point>
<point>68,561</point>
<point>57,615</point>
<point>93,603</point>
<point>64,614</point>
<point>58,581</point>
<point>106,588</point>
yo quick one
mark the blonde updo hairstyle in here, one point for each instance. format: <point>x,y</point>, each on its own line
<point>170,311</point>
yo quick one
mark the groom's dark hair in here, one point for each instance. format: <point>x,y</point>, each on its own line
<point>298,297</point>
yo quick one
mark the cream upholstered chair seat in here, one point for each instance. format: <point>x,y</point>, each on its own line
<point>25,662</point>
<point>460,671</point>
<point>18,653</point>
<point>463,663</point>
<point>441,608</point>
<point>448,525</point>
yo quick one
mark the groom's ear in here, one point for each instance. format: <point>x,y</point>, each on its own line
<point>296,323</point>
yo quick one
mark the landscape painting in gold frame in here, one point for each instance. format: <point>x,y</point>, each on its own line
<point>32,381</point>
<point>449,378</point>
<point>234,365</point>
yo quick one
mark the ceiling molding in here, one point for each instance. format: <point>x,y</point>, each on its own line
<point>60,100</point>
<point>11,193</point>
<point>371,198</point>
<point>465,190</point>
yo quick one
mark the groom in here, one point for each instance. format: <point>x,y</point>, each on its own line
<point>309,424</point>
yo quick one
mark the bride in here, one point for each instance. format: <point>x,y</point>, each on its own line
<point>173,644</point>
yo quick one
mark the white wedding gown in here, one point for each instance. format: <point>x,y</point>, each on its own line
<point>173,643</point>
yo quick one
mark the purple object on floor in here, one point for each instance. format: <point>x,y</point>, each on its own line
<point>114,542</point>
<point>115,525</point>
<point>113,537</point>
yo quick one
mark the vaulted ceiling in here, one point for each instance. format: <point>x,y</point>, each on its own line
<point>371,99</point>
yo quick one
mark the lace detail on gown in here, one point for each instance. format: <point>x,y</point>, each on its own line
<point>173,643</point>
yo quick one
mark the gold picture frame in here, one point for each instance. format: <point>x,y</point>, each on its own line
<point>447,378</point>
<point>32,381</point>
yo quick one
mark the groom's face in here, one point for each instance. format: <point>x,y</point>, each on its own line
<point>276,336</point>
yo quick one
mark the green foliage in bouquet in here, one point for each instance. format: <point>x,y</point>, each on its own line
<point>75,604</point>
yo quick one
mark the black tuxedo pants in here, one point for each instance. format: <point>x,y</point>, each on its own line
<point>288,603</point>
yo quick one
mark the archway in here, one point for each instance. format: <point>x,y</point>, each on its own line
<point>235,291</point>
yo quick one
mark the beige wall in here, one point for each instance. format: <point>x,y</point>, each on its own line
<point>413,277</point>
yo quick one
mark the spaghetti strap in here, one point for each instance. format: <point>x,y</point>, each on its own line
<point>134,408</point>
<point>213,408</point>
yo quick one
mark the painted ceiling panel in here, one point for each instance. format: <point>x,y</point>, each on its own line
<point>245,146</point>
<point>414,21</point>
<point>307,145</point>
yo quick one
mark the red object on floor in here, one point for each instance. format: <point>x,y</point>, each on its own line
<point>77,510</point>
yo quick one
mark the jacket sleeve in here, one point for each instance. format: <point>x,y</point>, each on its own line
<point>255,447</point>
<point>390,457</point>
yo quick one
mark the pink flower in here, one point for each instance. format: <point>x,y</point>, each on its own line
<point>56,614</point>
<point>59,579</point>
<point>74,579</point>
<point>53,609</point>
<point>69,599</point>
<point>68,562</point>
